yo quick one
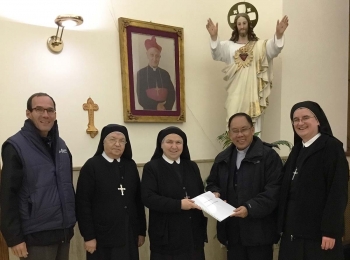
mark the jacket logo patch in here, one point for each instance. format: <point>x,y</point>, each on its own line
<point>62,151</point>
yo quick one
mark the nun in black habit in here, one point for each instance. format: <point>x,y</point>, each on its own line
<point>314,190</point>
<point>177,226</point>
<point>109,210</point>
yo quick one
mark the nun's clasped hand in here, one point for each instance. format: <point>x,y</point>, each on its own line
<point>187,204</point>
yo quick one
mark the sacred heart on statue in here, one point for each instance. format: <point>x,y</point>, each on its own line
<point>243,56</point>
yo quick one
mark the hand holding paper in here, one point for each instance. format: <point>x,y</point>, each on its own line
<point>215,207</point>
<point>187,204</point>
<point>240,212</point>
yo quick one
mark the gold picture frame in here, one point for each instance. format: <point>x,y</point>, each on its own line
<point>152,68</point>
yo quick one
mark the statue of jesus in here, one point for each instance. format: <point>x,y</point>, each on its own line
<point>249,71</point>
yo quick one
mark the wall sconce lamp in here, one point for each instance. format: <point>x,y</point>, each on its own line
<point>55,43</point>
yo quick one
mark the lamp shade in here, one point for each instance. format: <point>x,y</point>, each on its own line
<point>68,20</point>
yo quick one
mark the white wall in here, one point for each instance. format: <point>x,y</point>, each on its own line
<point>315,63</point>
<point>89,66</point>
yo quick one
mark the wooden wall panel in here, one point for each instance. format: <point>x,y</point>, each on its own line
<point>346,239</point>
<point>4,253</point>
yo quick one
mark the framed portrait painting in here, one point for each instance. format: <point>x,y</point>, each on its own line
<point>152,67</point>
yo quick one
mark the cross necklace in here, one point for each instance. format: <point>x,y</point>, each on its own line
<point>122,189</point>
<point>295,172</point>
<point>186,196</point>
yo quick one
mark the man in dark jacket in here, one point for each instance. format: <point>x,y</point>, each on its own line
<point>247,175</point>
<point>37,194</point>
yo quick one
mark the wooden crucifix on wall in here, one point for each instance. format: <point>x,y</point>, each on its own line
<point>91,107</point>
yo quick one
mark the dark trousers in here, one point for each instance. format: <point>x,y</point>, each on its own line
<point>51,252</point>
<point>197,254</point>
<point>239,252</point>
<point>113,253</point>
<point>306,249</point>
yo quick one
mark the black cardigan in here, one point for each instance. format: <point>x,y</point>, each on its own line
<point>321,191</point>
<point>173,231</point>
<point>101,209</point>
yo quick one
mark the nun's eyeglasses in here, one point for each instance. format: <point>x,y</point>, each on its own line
<point>296,120</point>
<point>116,141</point>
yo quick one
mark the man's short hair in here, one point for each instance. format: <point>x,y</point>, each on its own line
<point>249,119</point>
<point>39,94</point>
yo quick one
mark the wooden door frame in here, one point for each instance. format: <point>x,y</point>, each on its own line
<point>4,251</point>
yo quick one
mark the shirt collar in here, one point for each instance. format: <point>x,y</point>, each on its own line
<point>109,158</point>
<point>169,160</point>
<point>244,151</point>
<point>313,139</point>
<point>154,69</point>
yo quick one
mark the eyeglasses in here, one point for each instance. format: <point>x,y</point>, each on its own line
<point>115,141</point>
<point>40,110</point>
<point>244,131</point>
<point>296,120</point>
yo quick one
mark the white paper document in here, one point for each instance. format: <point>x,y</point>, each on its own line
<point>215,207</point>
